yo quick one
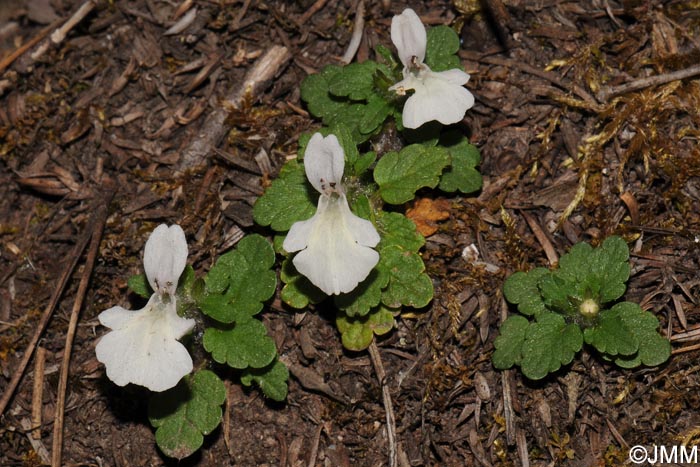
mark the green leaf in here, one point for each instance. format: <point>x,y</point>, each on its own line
<point>246,344</point>
<point>461,175</point>
<point>288,199</point>
<point>244,278</point>
<point>443,44</point>
<point>509,343</point>
<point>612,335</point>
<point>631,333</point>
<point>521,289</point>
<point>355,81</point>
<point>396,229</point>
<point>363,163</point>
<point>408,283</point>
<point>272,380</point>
<point>560,295</point>
<point>600,273</point>
<point>400,175</point>
<point>357,333</point>
<point>374,114</point>
<point>388,57</point>
<point>549,344</point>
<point>184,414</point>
<point>365,296</point>
<point>298,291</point>
<point>315,92</point>
<point>140,286</point>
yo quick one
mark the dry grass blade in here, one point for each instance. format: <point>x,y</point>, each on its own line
<point>48,311</point>
<point>386,398</point>
<point>97,227</point>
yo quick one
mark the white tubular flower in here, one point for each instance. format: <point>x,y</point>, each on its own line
<point>336,245</point>
<point>437,95</point>
<point>142,347</point>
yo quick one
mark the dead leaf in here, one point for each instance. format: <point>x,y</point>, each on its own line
<point>426,212</point>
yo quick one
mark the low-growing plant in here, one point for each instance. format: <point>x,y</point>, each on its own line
<point>336,211</point>
<point>561,309</point>
<point>143,346</point>
<point>338,204</point>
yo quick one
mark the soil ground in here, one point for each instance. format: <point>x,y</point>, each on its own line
<point>115,104</point>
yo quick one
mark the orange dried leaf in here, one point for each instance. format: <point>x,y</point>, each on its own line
<point>426,212</point>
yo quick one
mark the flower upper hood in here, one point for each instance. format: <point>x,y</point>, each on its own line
<point>335,245</point>
<point>142,347</point>
<point>437,95</point>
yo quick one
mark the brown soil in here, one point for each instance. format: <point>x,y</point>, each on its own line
<point>117,102</point>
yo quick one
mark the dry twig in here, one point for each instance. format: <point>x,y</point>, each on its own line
<point>48,311</point>
<point>213,130</point>
<point>386,398</point>
<point>95,230</point>
<point>642,83</point>
<point>357,31</point>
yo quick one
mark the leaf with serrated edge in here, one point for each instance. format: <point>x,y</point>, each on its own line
<point>509,343</point>
<point>612,335</point>
<point>287,200</point>
<point>357,333</point>
<point>401,174</point>
<point>272,380</point>
<point>396,229</point>
<point>549,344</point>
<point>244,278</point>
<point>184,414</point>
<point>355,81</point>
<point>365,296</point>
<point>443,44</point>
<point>374,114</point>
<point>462,174</point>
<point>298,291</point>
<point>408,284</point>
<point>314,91</point>
<point>246,344</point>
<point>639,326</point>
<point>521,289</point>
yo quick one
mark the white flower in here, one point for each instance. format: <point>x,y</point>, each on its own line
<point>437,95</point>
<point>336,245</point>
<point>142,347</point>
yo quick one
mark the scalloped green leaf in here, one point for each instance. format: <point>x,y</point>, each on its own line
<point>509,343</point>
<point>365,296</point>
<point>355,81</point>
<point>374,114</point>
<point>287,200</point>
<point>601,272</point>
<point>272,380</point>
<point>631,334</point>
<point>521,289</point>
<point>549,344</point>
<point>443,44</point>
<point>363,163</point>
<point>408,284</point>
<point>245,344</point>
<point>185,414</point>
<point>315,92</point>
<point>357,333</point>
<point>400,175</point>
<point>396,229</point>
<point>612,334</point>
<point>461,175</point>
<point>240,281</point>
<point>298,291</point>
